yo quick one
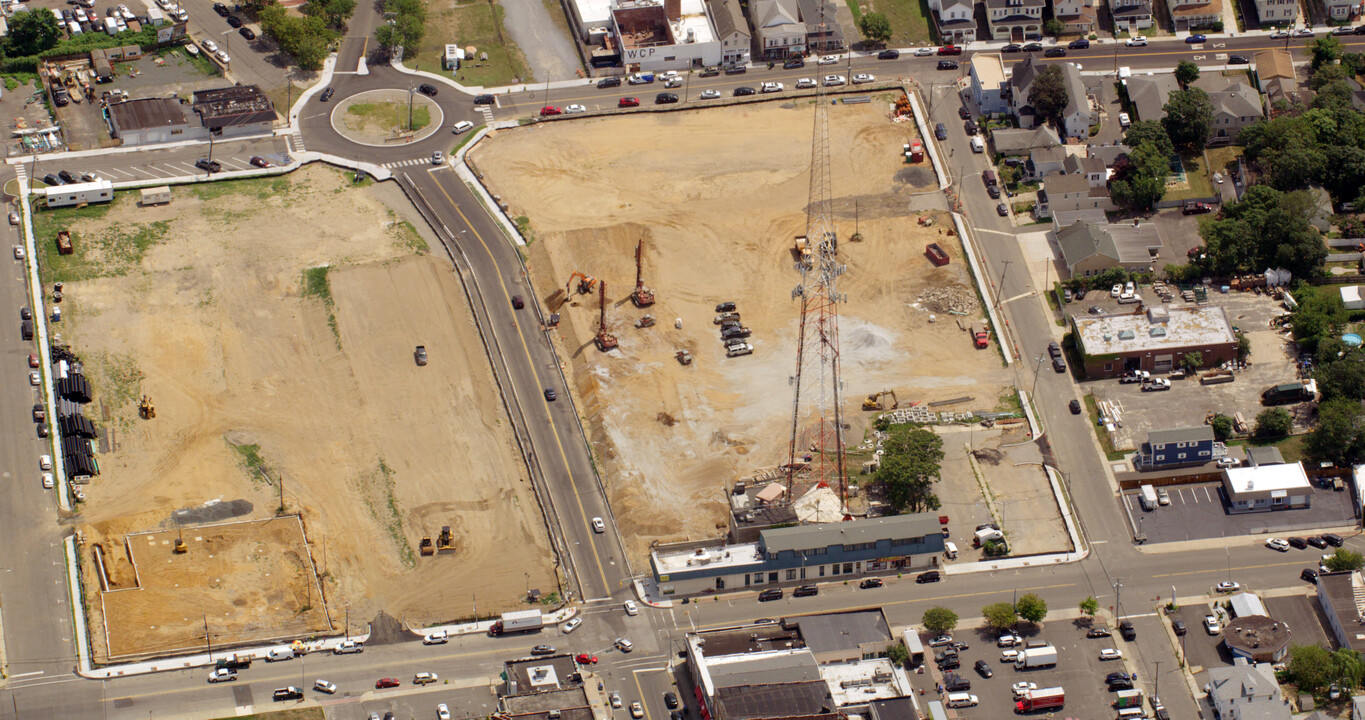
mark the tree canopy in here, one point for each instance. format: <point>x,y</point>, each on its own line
<point>1000,616</point>
<point>1149,131</point>
<point>1049,96</point>
<point>1344,559</point>
<point>1186,73</point>
<point>1189,118</point>
<point>1337,437</point>
<point>306,38</point>
<point>1273,423</point>
<point>1031,607</point>
<point>939,620</point>
<point>875,27</point>
<point>911,461</point>
<point>407,27</point>
<point>32,32</point>
<point>1265,229</point>
<point>1140,181</point>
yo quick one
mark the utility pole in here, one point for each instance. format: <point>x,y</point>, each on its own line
<point>411,93</point>
<point>207,644</point>
<point>1156,683</point>
<point>1118,602</point>
<point>1000,292</point>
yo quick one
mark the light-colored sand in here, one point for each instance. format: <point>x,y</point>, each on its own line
<point>718,196</point>
<point>375,451</point>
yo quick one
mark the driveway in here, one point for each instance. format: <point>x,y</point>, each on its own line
<point>550,53</point>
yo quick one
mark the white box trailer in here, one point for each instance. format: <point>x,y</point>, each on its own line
<point>159,195</point>
<point>1148,498</point>
<point>78,193</point>
<point>913,645</point>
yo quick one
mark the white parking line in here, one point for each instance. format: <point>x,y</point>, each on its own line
<point>232,164</point>
<point>116,170</point>
<point>1208,494</point>
<point>149,170</point>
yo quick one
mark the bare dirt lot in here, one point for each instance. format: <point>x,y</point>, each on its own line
<point>265,562</point>
<point>718,196</point>
<point>263,365</point>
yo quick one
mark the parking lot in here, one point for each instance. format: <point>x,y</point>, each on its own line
<point>1202,650</point>
<point>154,164</point>
<point>1198,511</point>
<point>1079,671</point>
<point>1188,403</point>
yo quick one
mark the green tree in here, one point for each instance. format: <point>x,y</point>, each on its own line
<point>875,28</point>
<point>1325,50</point>
<point>1319,317</point>
<point>898,654</point>
<point>1149,131</point>
<point>911,463</point>
<point>1337,437</point>
<point>939,620</point>
<point>1090,606</point>
<point>1222,427</point>
<point>1031,607</point>
<point>1189,118</point>
<point>1140,183</point>
<point>1243,347</point>
<point>1053,27</point>
<point>1192,360</point>
<point>32,32</point>
<point>1348,668</point>
<point>333,12</point>
<point>1186,73</point>
<point>1274,423</point>
<point>1344,559</point>
<point>1310,667</point>
<point>1000,616</point>
<point>1265,228</point>
<point>1049,96</point>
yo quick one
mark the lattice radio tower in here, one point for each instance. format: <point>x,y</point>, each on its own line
<point>817,386</point>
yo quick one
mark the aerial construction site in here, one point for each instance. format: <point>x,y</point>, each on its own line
<point>673,267</point>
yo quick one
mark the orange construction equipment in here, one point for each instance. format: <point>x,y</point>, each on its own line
<point>585,283</point>
<point>642,297</point>
<point>605,340</point>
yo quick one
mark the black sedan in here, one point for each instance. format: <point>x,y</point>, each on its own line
<point>1033,47</point>
<point>1012,48</point>
<point>743,90</point>
<point>327,94</point>
<point>670,701</point>
<point>983,668</point>
<point>234,21</point>
<point>947,65</point>
<point>1002,210</point>
<point>1075,406</point>
<point>964,113</point>
<point>793,64</point>
<point>247,33</point>
<point>1238,60</point>
<point>221,9</point>
<point>550,394</point>
<point>665,98</point>
<point>1079,44</point>
<point>1055,52</point>
<point>484,99</point>
<point>870,583</point>
<point>889,54</point>
<point>427,89</point>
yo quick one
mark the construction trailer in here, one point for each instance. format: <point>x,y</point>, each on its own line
<point>99,191</point>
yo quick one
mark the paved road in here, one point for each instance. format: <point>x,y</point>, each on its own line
<point>550,54</point>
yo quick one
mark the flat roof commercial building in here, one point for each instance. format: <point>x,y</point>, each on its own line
<point>1154,341</point>
<point>801,554</point>
<point>235,111</point>
<point>147,121</point>
<point>1339,595</point>
<point>1267,487</point>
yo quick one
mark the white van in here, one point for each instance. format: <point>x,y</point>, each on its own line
<point>1132,713</point>
<point>961,700</point>
<point>282,652</point>
<point>950,550</point>
<point>978,145</point>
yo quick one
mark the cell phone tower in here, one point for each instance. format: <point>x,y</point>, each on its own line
<point>817,387</point>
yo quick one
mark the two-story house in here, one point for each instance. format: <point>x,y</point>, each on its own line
<point>1277,12</point>
<point>1343,10</point>
<point>1246,692</point>
<point>1091,245</point>
<point>1132,15</point>
<point>956,24</point>
<point>1194,14</point>
<point>1234,107</point>
<point>1174,447</point>
<point>1149,94</point>
<point>989,90</point>
<point>823,32</point>
<point>733,31</point>
<point>1045,161</point>
<point>1020,83</point>
<point>1077,16</point>
<point>1071,193</point>
<point>1015,20</point>
<point>1079,113</point>
<point>780,32</point>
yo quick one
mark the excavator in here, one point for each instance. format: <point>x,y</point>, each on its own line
<point>884,400</point>
<point>605,340</point>
<point>145,409</point>
<point>642,297</point>
<point>585,283</point>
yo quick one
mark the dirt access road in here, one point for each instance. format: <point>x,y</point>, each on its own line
<point>257,360</point>
<point>718,196</point>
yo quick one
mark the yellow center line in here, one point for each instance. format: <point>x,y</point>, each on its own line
<point>1225,570</point>
<point>527,350</point>
<point>641,691</point>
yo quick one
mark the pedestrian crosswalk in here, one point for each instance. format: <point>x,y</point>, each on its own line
<point>407,163</point>
<point>487,113</point>
<point>21,171</point>
<point>296,139</point>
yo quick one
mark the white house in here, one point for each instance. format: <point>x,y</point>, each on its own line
<point>1246,692</point>
<point>733,31</point>
<point>1077,16</point>
<point>1015,20</point>
<point>956,26</point>
<point>988,84</point>
<point>1277,12</point>
<point>781,33</point>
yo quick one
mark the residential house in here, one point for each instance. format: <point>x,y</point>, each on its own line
<point>1019,143</point>
<point>1149,93</point>
<point>1279,82</point>
<point>1015,20</point>
<point>1236,106</point>
<point>956,23</point>
<point>1246,692</point>
<point>1020,83</point>
<point>1079,113</point>
<point>1108,154</point>
<point>823,32</point>
<point>1090,244</point>
<point>1092,167</point>
<point>988,86</point>
<point>1077,16</point>
<point>1045,161</point>
<point>733,30</point>
<point>1195,14</point>
<point>780,32</point>
<point>1132,14</point>
<point>1343,10</point>
<point>1277,12</point>
<point>1174,447</point>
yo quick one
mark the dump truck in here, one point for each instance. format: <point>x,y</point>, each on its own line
<point>980,336</point>
<point>1032,658</point>
<point>519,621</point>
<point>1294,392</point>
<point>1041,699</point>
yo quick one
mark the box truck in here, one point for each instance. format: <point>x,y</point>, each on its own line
<point>1148,497</point>
<point>1128,699</point>
<point>1036,658</point>
<point>519,621</point>
<point>1041,699</point>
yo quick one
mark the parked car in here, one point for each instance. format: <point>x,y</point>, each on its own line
<point>1211,625</point>
<point>424,678</point>
<point>710,94</point>
<point>287,693</point>
<point>260,162</point>
<point>349,647</point>
<point>1310,575</point>
<point>1080,44</point>
<point>793,64</point>
<point>1012,48</point>
<point>636,711</point>
<point>947,65</point>
<point>212,166</point>
<point>1195,208</point>
<point>941,641</point>
<point>1195,39</point>
<point>834,80</point>
<point>1228,586</point>
<point>1124,120</point>
<point>805,83</point>
<point>1178,626</point>
<point>543,650</point>
<point>247,33</point>
<point>383,683</point>
<point>1297,543</point>
<point>1138,41</point>
<point>1055,52</point>
<point>1277,544</point>
<point>585,659</point>
<point>1075,406</point>
<point>1002,210</point>
<point>889,54</point>
<point>1098,632</point>
<point>1008,640</point>
<point>665,99</point>
<point>1317,542</point>
<point>771,87</point>
<point>1238,60</point>
<point>670,700</point>
<point>743,91</point>
<point>950,50</point>
<point>983,668</point>
<point>806,591</point>
<point>1333,539</point>
<point>324,686</point>
<point>440,637</point>
<point>862,78</point>
<point>1279,34</point>
<point>924,52</point>
<point>549,110</point>
<point>1033,47</point>
<point>1022,688</point>
<point>1110,654</point>
<point>770,594</point>
<point>222,675</point>
<point>828,60</point>
<point>427,89</point>
<point>1303,33</point>
<point>870,583</point>
<point>928,576</point>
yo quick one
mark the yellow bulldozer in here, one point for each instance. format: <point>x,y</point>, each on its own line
<point>884,400</point>
<point>145,409</point>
